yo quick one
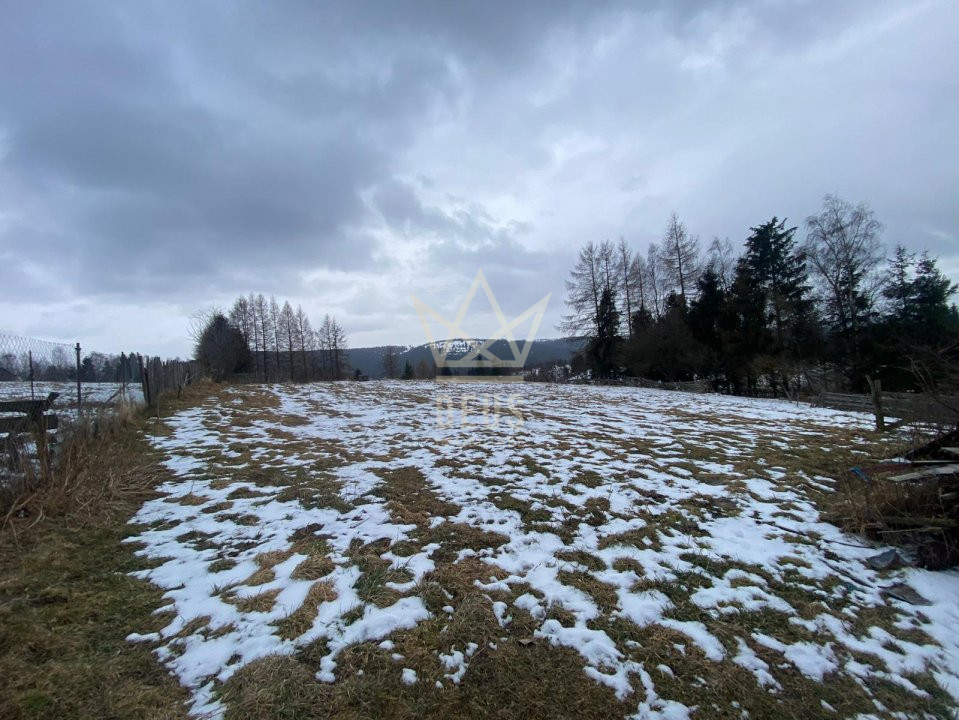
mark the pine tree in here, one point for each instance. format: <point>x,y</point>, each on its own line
<point>929,304</point>
<point>898,287</point>
<point>603,348</point>
<point>771,305</point>
<point>778,271</point>
<point>706,311</point>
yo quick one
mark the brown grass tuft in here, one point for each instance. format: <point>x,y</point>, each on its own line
<point>301,619</point>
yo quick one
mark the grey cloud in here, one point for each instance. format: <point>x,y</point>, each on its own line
<point>153,151</point>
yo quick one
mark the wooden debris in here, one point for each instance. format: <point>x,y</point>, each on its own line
<point>927,472</point>
<point>888,560</point>
<point>914,501</point>
<point>904,593</point>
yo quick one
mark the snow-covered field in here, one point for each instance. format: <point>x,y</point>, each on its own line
<point>94,393</point>
<point>661,536</point>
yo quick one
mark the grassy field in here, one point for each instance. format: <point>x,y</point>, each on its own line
<point>430,550</point>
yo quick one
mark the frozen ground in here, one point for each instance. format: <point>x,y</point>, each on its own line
<point>672,541</point>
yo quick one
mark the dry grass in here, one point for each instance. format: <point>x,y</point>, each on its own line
<point>510,675</point>
<point>301,619</point>
<point>866,509</point>
<point>72,482</point>
<point>313,568</point>
<point>261,602</point>
<point>410,499</point>
<point>67,601</point>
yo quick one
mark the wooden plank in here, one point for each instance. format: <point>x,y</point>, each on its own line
<point>28,407</point>
<point>919,521</point>
<point>929,472</point>
<point>24,407</point>
<point>22,423</point>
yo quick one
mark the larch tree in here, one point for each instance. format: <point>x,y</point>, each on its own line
<point>277,345</point>
<point>333,348</point>
<point>680,258</point>
<point>624,264</point>
<point>656,279</point>
<point>255,326</point>
<point>638,274</point>
<point>266,333</point>
<point>288,326</point>
<point>304,335</point>
<point>583,290</point>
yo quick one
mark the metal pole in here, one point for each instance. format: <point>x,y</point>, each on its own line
<point>79,397</point>
<point>30,358</point>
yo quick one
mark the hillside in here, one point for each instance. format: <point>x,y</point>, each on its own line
<point>369,360</point>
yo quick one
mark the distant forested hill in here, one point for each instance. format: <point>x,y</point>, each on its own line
<point>369,360</point>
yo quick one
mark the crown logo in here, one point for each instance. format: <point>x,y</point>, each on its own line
<point>480,355</point>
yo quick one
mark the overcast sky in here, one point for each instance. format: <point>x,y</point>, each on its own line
<point>158,158</point>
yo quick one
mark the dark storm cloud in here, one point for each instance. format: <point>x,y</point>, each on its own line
<point>156,185</point>
<point>157,152</point>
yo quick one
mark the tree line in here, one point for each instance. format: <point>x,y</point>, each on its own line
<point>270,342</point>
<point>59,365</point>
<point>830,311</point>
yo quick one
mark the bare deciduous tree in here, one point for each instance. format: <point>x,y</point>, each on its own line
<point>287,328</point>
<point>305,340</point>
<point>583,290</point>
<point>656,279</point>
<point>391,361</point>
<point>333,348</point>
<point>722,257</point>
<point>262,311</point>
<point>844,251</point>
<point>624,263</point>
<point>680,257</point>
<point>275,320</point>
<point>638,275</point>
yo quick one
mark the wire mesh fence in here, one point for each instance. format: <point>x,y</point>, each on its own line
<point>48,386</point>
<point>32,369</point>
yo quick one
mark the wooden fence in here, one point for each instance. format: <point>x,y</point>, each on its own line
<point>159,375</point>
<point>906,407</point>
<point>25,416</point>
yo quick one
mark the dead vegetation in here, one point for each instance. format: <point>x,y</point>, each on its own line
<point>67,600</point>
<point>512,673</point>
<point>913,502</point>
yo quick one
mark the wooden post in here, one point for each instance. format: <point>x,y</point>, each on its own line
<point>144,386</point>
<point>875,386</point>
<point>79,396</point>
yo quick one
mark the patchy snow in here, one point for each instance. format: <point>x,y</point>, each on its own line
<point>659,488</point>
<point>408,676</point>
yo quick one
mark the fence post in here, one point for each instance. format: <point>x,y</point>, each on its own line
<point>144,386</point>
<point>79,396</point>
<point>30,358</point>
<point>875,387</point>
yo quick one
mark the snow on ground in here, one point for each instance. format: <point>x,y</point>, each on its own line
<point>93,393</point>
<point>664,500</point>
